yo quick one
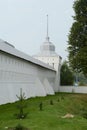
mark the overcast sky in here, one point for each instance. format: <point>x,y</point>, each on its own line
<point>23,23</point>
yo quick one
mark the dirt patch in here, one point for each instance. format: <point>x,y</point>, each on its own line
<point>68,115</point>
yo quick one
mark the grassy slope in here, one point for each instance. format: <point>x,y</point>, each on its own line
<point>50,117</point>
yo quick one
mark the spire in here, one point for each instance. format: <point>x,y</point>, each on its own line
<point>47,37</point>
<point>47,25</point>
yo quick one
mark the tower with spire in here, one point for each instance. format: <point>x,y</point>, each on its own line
<point>47,48</point>
<point>48,55</point>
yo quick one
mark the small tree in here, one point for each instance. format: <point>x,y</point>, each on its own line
<point>41,106</point>
<point>51,102</point>
<point>19,127</point>
<point>21,105</point>
<point>66,75</point>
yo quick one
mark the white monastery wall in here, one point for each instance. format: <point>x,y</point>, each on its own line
<point>73,89</point>
<point>55,62</point>
<point>16,73</point>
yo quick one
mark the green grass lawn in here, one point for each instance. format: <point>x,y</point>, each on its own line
<point>50,117</point>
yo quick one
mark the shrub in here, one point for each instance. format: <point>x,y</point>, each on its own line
<point>19,127</point>
<point>41,106</point>
<point>51,102</point>
<point>62,98</point>
<point>21,105</point>
<point>58,100</point>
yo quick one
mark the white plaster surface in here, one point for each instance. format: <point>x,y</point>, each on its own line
<point>70,89</point>
<point>55,62</point>
<point>18,70</point>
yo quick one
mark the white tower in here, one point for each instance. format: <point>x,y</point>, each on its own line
<point>48,55</point>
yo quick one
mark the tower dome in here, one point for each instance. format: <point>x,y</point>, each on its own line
<point>47,47</point>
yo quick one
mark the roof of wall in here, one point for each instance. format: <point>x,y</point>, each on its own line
<point>10,49</point>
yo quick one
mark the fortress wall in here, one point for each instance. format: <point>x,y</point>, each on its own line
<point>16,73</point>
